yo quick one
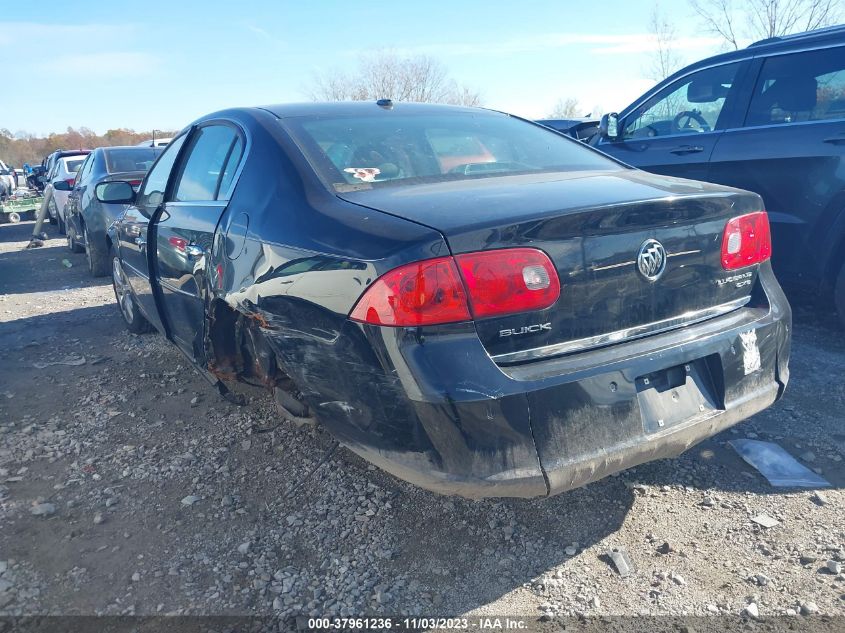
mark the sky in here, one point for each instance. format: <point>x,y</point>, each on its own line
<point>160,64</point>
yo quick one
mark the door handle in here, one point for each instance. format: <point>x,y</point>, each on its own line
<point>836,140</point>
<point>194,252</point>
<point>140,242</point>
<point>686,149</point>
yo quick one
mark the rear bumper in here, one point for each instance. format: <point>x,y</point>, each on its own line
<point>434,409</point>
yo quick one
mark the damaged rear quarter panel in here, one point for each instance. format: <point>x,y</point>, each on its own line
<point>306,259</point>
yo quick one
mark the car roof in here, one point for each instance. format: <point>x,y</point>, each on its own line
<point>822,33</point>
<point>62,153</point>
<point>350,108</point>
<point>820,37</point>
<point>137,148</point>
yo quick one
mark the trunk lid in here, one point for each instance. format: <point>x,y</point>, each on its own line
<point>593,226</point>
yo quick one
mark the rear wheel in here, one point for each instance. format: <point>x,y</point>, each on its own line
<point>135,321</point>
<point>97,256</point>
<point>13,217</point>
<point>292,408</point>
<point>72,244</point>
<point>839,295</point>
<point>53,216</point>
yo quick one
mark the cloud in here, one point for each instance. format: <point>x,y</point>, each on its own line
<point>106,64</point>
<point>264,34</point>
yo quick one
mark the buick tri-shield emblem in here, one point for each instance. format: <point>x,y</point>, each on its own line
<point>651,261</point>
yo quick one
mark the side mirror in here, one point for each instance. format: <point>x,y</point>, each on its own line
<point>609,126</point>
<point>62,185</point>
<point>116,192</point>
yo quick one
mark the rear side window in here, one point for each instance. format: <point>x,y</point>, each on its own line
<point>800,87</point>
<point>231,167</point>
<point>206,160</point>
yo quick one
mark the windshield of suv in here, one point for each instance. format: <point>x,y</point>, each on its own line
<point>376,150</point>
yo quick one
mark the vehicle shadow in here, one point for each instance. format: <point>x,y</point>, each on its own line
<point>46,328</point>
<point>41,269</point>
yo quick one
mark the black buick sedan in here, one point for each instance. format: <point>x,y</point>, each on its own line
<point>468,300</point>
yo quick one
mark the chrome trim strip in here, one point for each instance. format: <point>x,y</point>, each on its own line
<point>680,253</point>
<point>619,336</point>
<point>633,263</point>
<point>610,266</point>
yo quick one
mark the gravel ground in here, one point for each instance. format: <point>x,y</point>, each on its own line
<point>127,486</point>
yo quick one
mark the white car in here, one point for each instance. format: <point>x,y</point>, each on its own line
<point>64,168</point>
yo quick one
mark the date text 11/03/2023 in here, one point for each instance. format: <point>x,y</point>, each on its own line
<point>412,624</point>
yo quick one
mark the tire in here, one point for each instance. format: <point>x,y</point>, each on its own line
<point>72,244</point>
<point>132,317</point>
<point>839,295</point>
<point>97,256</point>
<point>13,217</point>
<point>54,217</point>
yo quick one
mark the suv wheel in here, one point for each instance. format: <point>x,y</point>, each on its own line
<point>135,321</point>
<point>839,295</point>
<point>98,258</point>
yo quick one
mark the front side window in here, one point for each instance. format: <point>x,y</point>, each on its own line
<point>203,168</point>
<point>155,185</point>
<point>691,105</point>
<point>390,148</point>
<point>800,87</point>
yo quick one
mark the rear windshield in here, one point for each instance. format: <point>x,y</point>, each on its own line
<point>130,159</point>
<point>379,150</point>
<point>72,164</point>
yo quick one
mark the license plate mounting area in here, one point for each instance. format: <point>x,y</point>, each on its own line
<point>678,394</point>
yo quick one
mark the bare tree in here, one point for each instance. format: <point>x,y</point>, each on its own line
<point>567,108</point>
<point>384,74</point>
<point>760,19</point>
<point>665,59</point>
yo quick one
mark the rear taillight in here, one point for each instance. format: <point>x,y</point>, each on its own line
<point>423,293</point>
<point>472,285</point>
<point>70,181</point>
<point>747,240</point>
<point>508,281</point>
<point>135,183</point>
